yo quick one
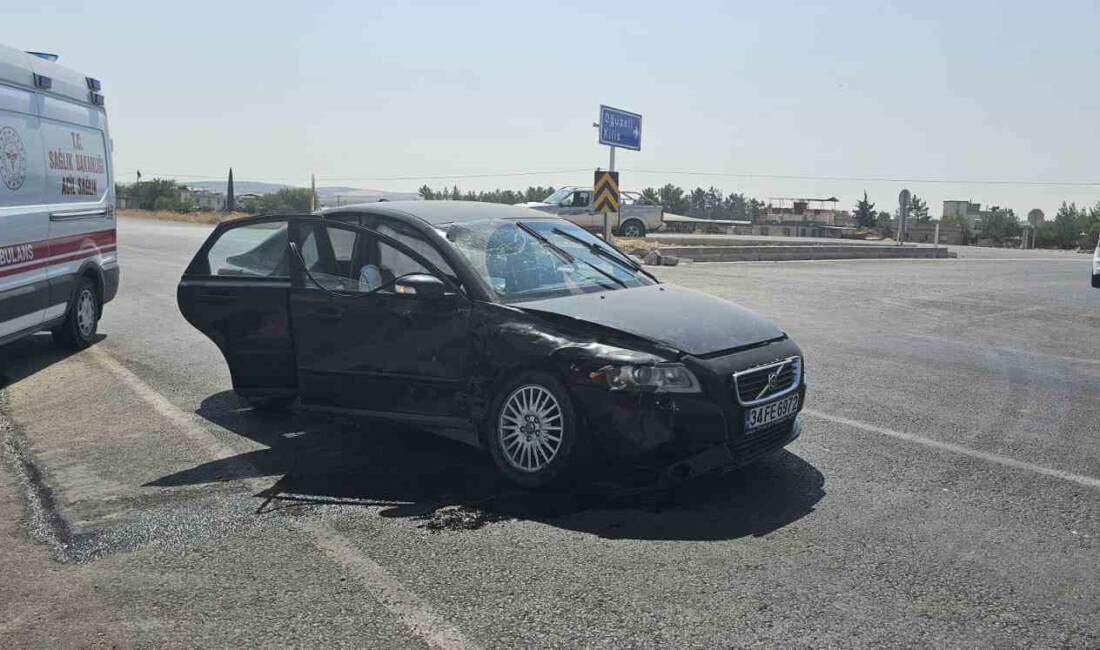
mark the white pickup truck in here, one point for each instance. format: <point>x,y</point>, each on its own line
<point>573,203</point>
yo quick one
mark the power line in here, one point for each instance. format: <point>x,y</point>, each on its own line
<point>665,172</point>
<point>452,176</point>
<point>864,179</point>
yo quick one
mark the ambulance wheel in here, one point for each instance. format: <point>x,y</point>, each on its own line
<point>82,319</point>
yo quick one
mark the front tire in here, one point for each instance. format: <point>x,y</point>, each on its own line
<point>1096,282</point>
<point>82,320</point>
<point>632,229</point>
<point>532,432</point>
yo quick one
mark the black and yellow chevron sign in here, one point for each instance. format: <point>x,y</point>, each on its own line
<point>606,191</point>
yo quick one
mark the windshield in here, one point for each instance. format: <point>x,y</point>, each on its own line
<point>542,258</point>
<point>558,196</point>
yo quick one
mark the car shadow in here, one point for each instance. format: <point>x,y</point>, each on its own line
<point>26,356</point>
<point>318,461</point>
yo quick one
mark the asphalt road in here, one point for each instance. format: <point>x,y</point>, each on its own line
<point>945,491</point>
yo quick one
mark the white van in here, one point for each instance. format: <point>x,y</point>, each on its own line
<point>58,263</point>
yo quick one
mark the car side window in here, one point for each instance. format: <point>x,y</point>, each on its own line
<point>581,199</point>
<point>252,250</point>
<point>401,264</point>
<point>329,254</point>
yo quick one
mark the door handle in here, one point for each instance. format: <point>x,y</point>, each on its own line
<point>329,313</point>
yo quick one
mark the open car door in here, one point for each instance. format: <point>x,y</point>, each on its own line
<point>236,291</point>
<point>378,328</point>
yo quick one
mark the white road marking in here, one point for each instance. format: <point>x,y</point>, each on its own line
<point>409,608</point>
<point>1002,348</point>
<point>996,459</point>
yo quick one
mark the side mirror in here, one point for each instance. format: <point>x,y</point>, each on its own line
<point>421,284</point>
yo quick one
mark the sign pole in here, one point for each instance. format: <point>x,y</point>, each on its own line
<point>606,212</point>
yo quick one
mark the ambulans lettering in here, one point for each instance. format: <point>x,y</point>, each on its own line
<point>16,254</point>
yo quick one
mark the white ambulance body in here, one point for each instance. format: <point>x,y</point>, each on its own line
<point>58,263</point>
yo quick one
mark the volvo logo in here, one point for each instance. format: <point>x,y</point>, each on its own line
<point>773,380</point>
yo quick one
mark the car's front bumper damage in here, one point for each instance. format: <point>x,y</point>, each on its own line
<point>732,455</point>
<point>690,434</point>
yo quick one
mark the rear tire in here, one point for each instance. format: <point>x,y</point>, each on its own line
<point>532,433</point>
<point>632,229</point>
<point>82,319</point>
<point>1096,282</point>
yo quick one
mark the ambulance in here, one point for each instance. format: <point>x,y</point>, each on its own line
<point>58,263</point>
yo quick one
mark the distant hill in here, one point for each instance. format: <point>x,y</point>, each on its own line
<point>329,195</point>
<point>239,187</point>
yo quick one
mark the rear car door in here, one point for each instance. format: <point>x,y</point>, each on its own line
<point>362,344</point>
<point>236,291</point>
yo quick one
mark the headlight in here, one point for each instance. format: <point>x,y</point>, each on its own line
<point>661,378</point>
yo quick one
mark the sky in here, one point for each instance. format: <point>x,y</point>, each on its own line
<point>999,98</point>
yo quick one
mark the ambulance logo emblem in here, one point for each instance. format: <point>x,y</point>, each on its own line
<point>13,159</point>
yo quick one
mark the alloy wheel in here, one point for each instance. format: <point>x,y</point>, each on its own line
<point>530,428</point>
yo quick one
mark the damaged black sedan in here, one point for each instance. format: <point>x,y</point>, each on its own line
<point>506,328</point>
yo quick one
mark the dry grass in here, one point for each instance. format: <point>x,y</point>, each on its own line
<point>632,245</point>
<point>187,217</point>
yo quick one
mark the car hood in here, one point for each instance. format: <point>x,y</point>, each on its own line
<point>690,321</point>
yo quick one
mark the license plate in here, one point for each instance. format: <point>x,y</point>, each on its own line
<point>765,414</point>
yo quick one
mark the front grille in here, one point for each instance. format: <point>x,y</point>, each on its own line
<point>752,385</point>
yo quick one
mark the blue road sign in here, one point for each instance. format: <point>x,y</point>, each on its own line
<point>620,128</point>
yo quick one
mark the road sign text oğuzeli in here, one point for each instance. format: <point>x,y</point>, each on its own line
<point>606,190</point>
<point>619,128</point>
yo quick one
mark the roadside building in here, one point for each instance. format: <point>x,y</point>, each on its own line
<point>924,232</point>
<point>203,200</point>
<point>969,210</point>
<point>799,212</point>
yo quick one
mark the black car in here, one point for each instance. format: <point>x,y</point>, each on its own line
<point>503,327</point>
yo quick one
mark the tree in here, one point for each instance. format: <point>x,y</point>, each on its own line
<point>146,194</point>
<point>755,210</point>
<point>426,193</point>
<point>884,223</point>
<point>865,212</point>
<point>736,207</point>
<point>697,203</point>
<point>230,197</point>
<point>713,205</point>
<point>918,209</point>
<point>651,197</point>
<point>1000,224</point>
<point>672,199</point>
<point>1065,230</point>
<point>288,199</point>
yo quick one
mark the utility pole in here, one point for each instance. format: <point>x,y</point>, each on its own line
<point>312,193</point>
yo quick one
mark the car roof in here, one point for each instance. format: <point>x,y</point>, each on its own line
<point>439,212</point>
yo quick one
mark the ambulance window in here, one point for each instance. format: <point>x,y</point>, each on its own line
<point>254,250</point>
